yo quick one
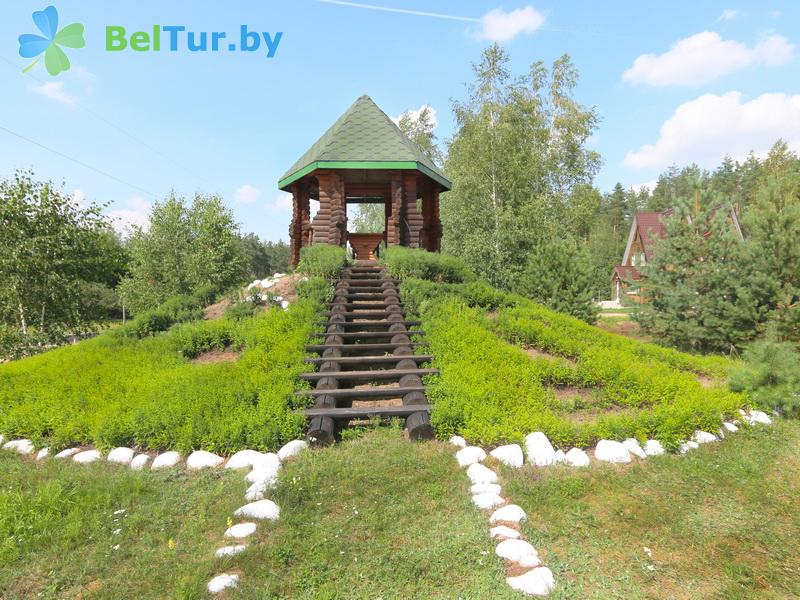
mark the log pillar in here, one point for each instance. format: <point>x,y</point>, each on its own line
<point>300,227</point>
<point>412,217</point>
<point>295,229</point>
<point>394,210</point>
<point>322,220</point>
<point>338,227</point>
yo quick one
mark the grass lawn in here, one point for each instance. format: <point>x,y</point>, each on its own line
<point>378,516</point>
<point>721,522</point>
<point>57,524</point>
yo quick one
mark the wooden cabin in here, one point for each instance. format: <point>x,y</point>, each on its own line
<point>646,229</point>
<point>365,158</point>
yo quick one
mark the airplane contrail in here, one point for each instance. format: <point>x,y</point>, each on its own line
<point>404,11</point>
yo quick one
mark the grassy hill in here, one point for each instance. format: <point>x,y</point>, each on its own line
<point>508,367</point>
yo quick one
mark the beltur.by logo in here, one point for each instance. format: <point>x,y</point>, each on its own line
<point>32,45</point>
<point>176,37</point>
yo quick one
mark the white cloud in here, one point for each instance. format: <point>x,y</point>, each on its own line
<point>707,128</point>
<point>247,194</point>
<point>729,14</point>
<point>137,213</point>
<point>500,26</point>
<point>705,57</point>
<point>283,203</point>
<point>414,114</point>
<point>55,91</point>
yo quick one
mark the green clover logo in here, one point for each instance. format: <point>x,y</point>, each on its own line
<point>32,45</point>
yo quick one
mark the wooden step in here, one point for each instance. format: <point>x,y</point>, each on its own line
<point>362,314</point>
<point>369,360</point>
<point>363,412</point>
<point>362,324</point>
<point>377,374</point>
<point>357,269</point>
<point>372,393</point>
<point>367,282</point>
<point>377,305</point>
<point>361,347</point>
<point>372,334</point>
<point>365,296</point>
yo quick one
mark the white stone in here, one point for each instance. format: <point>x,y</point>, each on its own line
<point>139,461</point>
<point>477,473</point>
<point>730,427</point>
<point>292,448</point>
<point>43,453</point>
<point>278,275</point>
<point>632,445</point>
<point>653,448</point>
<point>683,448</point>
<point>240,530</point>
<point>487,500</point>
<point>510,455</point>
<point>502,532</point>
<point>703,437</point>
<point>166,460</point>
<point>530,560</point>
<point>470,455</point>
<point>757,416</point>
<point>611,451</point>
<point>243,459</point>
<point>256,491</point>
<point>266,284</point>
<point>459,441</point>
<point>87,456</point>
<point>510,513</point>
<point>539,450</point>
<point>230,550</point>
<point>122,456</point>
<point>201,459</point>
<point>483,488</point>
<point>284,304</point>
<point>68,452</point>
<point>266,473</point>
<point>560,457</point>
<point>692,444</point>
<point>260,509</point>
<point>23,447</point>
<point>537,582</point>
<point>222,582</point>
<point>515,550</point>
<point>577,458</point>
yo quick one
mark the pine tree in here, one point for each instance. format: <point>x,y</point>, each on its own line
<point>697,288</point>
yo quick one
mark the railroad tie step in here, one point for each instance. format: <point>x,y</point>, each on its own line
<point>375,374</point>
<point>371,360</point>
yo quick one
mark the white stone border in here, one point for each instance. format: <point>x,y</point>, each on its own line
<point>487,492</point>
<point>262,474</point>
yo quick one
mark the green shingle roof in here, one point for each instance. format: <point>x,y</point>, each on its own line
<point>363,138</point>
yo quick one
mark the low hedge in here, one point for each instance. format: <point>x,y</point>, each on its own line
<point>491,391</point>
<point>118,390</point>
<point>322,260</point>
<point>404,263</point>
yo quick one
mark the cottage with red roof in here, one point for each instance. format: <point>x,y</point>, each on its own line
<point>647,228</point>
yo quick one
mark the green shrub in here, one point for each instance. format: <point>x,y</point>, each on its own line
<point>404,263</point>
<point>316,289</point>
<point>118,390</point>
<point>322,260</point>
<point>417,292</point>
<point>771,374</point>
<point>491,391</point>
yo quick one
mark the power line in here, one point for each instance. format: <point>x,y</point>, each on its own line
<point>79,162</point>
<point>120,129</point>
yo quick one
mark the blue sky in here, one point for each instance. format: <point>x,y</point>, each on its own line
<point>673,82</point>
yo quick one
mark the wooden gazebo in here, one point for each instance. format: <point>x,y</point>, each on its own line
<point>365,158</point>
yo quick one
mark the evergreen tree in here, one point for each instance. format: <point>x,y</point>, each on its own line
<point>697,291</point>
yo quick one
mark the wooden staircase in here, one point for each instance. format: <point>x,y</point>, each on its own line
<point>367,366</point>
